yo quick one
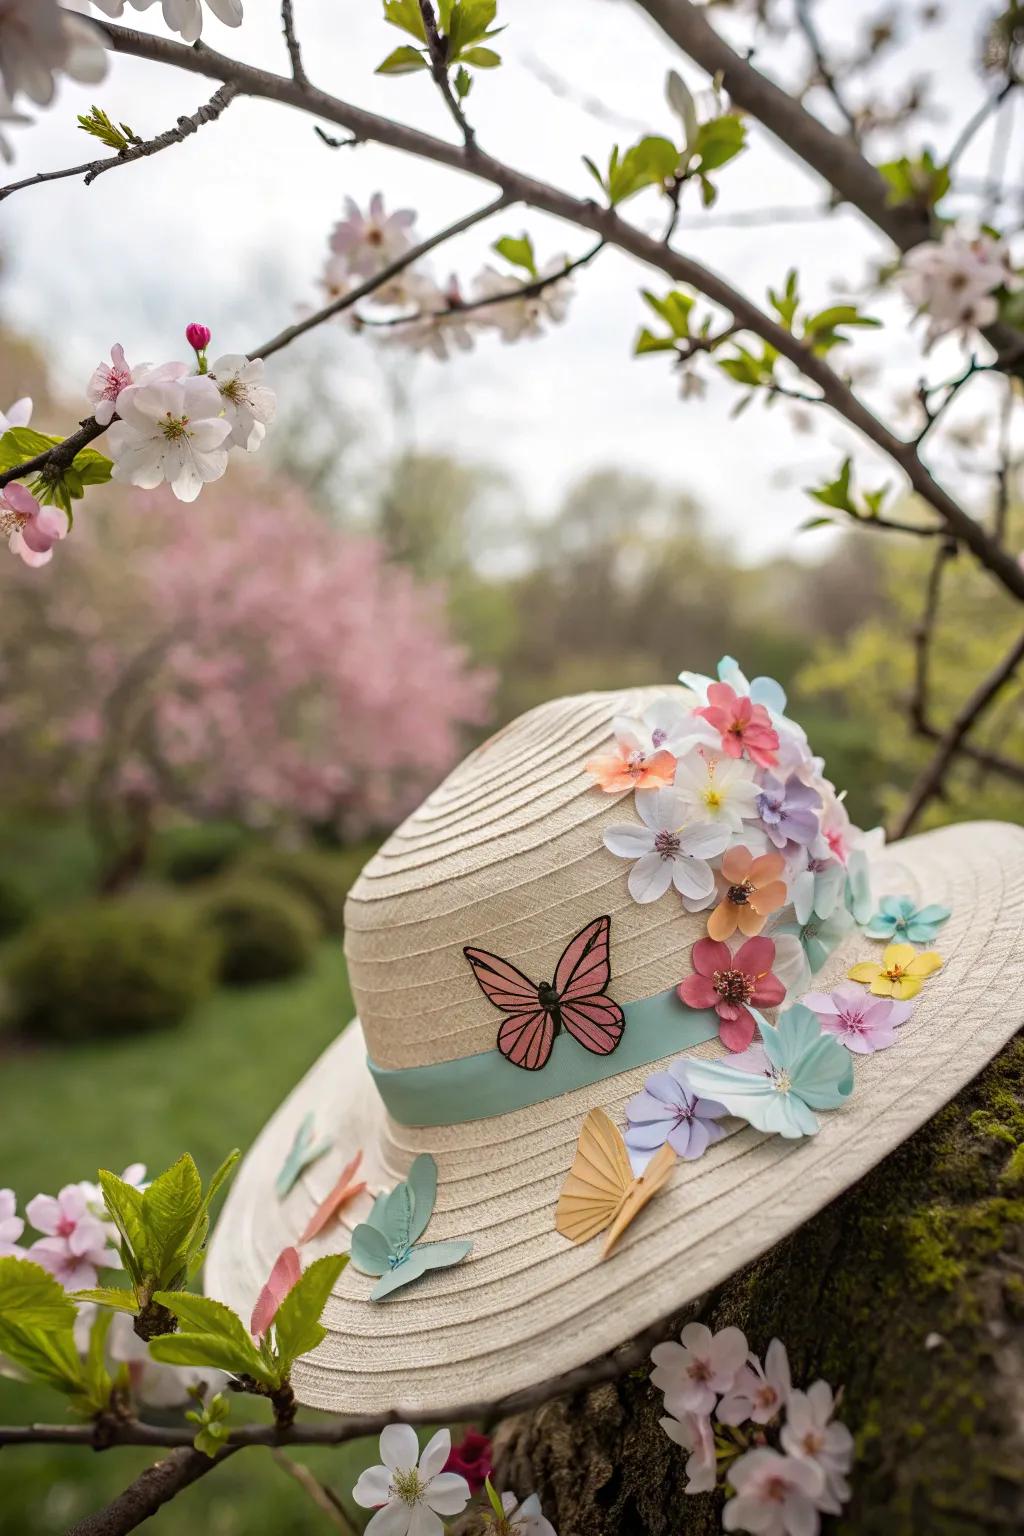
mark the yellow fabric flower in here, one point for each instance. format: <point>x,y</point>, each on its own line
<point>901,974</point>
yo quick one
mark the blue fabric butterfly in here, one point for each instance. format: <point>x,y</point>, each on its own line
<point>386,1244</point>
<point>303,1153</point>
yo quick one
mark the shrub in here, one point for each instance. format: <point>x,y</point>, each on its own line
<point>263,932</point>
<point>16,907</point>
<point>322,879</point>
<point>188,854</point>
<point>112,968</point>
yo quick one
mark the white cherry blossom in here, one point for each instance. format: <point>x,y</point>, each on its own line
<point>410,1492</point>
<point>515,318</point>
<point>170,430</point>
<point>182,16</point>
<point>249,406</point>
<point>39,40</point>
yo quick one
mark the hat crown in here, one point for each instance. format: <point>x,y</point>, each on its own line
<point>506,855</point>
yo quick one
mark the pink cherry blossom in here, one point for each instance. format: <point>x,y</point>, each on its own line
<point>776,1495</point>
<point>760,1392</point>
<point>11,1226</point>
<point>810,1434</point>
<point>198,337</point>
<point>693,1432</point>
<point>31,530</point>
<point>693,1372</point>
<point>862,1022</point>
<point>107,382</point>
<point>369,242</point>
<point>75,1247</point>
<point>743,725</point>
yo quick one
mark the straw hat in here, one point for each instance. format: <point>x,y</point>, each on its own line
<point>507,855</point>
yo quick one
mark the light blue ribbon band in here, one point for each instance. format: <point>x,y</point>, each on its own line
<point>477,1087</point>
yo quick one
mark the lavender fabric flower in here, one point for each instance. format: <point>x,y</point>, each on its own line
<point>667,1109</point>
<point>788,811</point>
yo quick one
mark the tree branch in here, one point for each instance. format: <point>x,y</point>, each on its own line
<point>439,71</point>
<point>186,126</point>
<point>59,457</point>
<point>930,780</point>
<point>149,1493</point>
<point>826,74</point>
<point>292,42</point>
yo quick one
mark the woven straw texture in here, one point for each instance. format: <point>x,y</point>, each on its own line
<point>507,855</point>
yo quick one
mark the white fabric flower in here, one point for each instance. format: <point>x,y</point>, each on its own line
<point>409,1491</point>
<point>667,851</point>
<point>183,16</point>
<point>38,40</point>
<point>526,1519</point>
<point>249,406</point>
<point>667,725</point>
<point>170,430</point>
<point>718,789</point>
<point>515,318</point>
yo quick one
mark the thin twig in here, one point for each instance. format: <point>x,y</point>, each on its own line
<point>325,1499</point>
<point>929,782</point>
<point>292,42</point>
<point>347,300</point>
<point>974,123</point>
<point>185,127</point>
<point>439,70</point>
<point>924,635</point>
<point>825,72</point>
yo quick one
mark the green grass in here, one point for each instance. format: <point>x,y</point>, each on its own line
<point>204,1088</point>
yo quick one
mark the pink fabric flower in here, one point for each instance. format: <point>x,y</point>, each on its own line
<point>775,1495</point>
<point>693,1372</point>
<point>863,1022</point>
<point>727,983</point>
<point>11,1226</point>
<point>760,1392</point>
<point>75,1247</point>
<point>743,725</point>
<point>31,530</point>
<point>694,1433</point>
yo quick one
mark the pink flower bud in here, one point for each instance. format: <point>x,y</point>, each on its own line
<point>198,337</point>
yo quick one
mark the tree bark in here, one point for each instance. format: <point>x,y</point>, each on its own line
<point>908,1290</point>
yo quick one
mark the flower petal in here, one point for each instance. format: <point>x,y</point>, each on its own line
<point>399,1447</point>
<point>650,877</point>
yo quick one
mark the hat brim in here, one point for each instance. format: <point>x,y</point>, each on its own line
<point>527,1305</point>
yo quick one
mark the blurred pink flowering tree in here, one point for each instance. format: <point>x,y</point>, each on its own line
<point>252,662</point>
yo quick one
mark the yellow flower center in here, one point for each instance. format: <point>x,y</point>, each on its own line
<point>407,1485</point>
<point>712,798</point>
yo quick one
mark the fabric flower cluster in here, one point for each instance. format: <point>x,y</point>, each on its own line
<point>413,1492</point>
<point>413,309</point>
<point>737,818</point>
<point>742,1423</point>
<point>953,282</point>
<point>176,425</point>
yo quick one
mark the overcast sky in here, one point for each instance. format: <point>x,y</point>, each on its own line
<point>231,228</point>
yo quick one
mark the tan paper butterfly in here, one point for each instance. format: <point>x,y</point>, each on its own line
<point>600,1191</point>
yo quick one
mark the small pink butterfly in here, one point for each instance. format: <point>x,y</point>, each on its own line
<point>285,1275</point>
<point>340,1195</point>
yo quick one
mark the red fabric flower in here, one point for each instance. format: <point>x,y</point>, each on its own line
<point>471,1458</point>
<point>727,983</point>
<point>744,725</point>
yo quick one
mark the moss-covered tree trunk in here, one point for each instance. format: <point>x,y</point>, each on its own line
<point>908,1290</point>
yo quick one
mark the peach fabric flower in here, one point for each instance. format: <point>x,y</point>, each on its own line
<point>630,767</point>
<point>902,973</point>
<point>744,726</point>
<point>754,889</point>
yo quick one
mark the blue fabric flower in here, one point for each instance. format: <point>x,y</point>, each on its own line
<point>859,897</point>
<point>899,917</point>
<point>777,1085</point>
<point>818,938</point>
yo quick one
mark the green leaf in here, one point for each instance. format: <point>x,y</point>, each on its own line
<point>407,16</point>
<point>95,1376</point>
<point>463,82</point>
<point>98,124</point>
<point>719,141</point>
<point>211,1335</point>
<point>651,162</point>
<point>494,1499</point>
<point>30,1295</point>
<point>297,1327</point>
<point>921,181</point>
<point>196,1240</point>
<point>468,22</point>
<point>111,1296</point>
<point>815,522</point>
<point>836,493</point>
<point>170,1207</point>
<point>404,60</point>
<point>480,58</point>
<point>518,251</point>
<point>646,341</point>
<point>124,1206</point>
<point>674,309</point>
<point>785,304</point>
<point>19,444</point>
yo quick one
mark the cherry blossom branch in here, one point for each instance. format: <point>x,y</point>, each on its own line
<point>154,1488</point>
<point>616,231</point>
<point>59,457</point>
<point>347,300</point>
<point>929,781</point>
<point>184,128</point>
<point>292,42</point>
<point>826,74</point>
